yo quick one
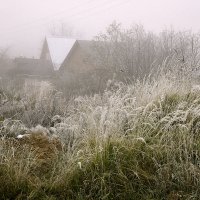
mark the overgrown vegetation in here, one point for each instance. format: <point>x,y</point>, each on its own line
<point>137,141</point>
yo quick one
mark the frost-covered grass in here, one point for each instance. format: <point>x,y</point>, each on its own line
<point>138,141</point>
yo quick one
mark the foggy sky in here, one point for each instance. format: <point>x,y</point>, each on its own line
<point>24,23</point>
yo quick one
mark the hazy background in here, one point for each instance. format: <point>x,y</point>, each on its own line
<point>24,23</point>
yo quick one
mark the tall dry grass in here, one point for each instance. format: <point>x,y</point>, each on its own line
<point>136,141</point>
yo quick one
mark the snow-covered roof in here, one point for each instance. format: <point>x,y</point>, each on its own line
<point>59,48</point>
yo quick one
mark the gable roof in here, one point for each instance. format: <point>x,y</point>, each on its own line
<point>59,48</point>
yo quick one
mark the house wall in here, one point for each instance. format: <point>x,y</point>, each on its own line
<point>32,67</point>
<point>78,61</point>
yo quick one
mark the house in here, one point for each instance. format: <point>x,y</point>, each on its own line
<point>73,56</point>
<point>75,62</point>
<point>55,50</point>
<point>31,67</point>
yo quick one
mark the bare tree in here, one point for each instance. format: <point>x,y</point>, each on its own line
<point>5,61</point>
<point>63,29</point>
<point>134,52</point>
<point>126,51</point>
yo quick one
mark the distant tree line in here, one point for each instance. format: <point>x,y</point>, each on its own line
<point>135,52</point>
